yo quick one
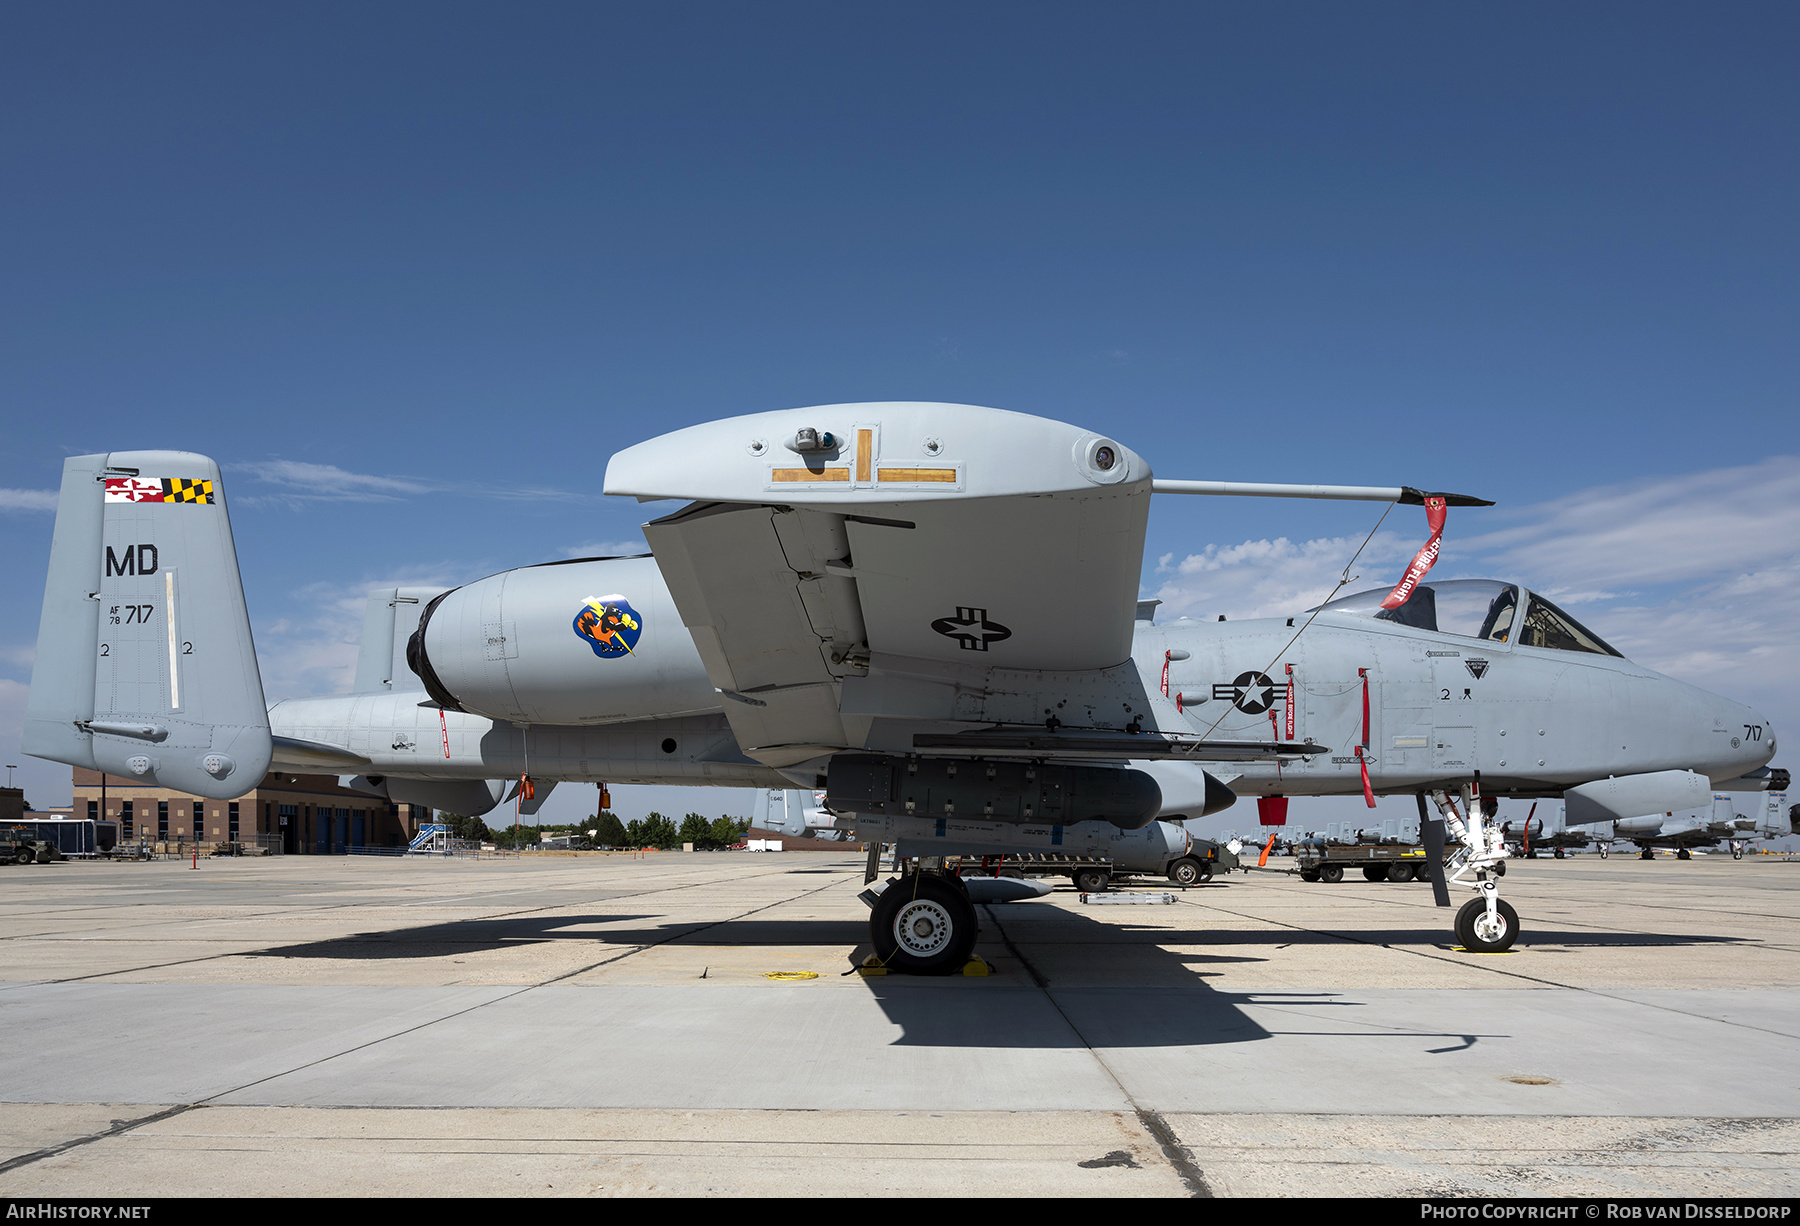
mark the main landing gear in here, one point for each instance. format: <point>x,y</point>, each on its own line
<point>1486,924</point>
<point>924,924</point>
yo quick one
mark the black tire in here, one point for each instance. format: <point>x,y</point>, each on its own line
<point>1091,880</point>
<point>923,925</point>
<point>1646,854</point>
<point>1684,854</point>
<point>1309,874</point>
<point>1558,853</point>
<point>1375,872</point>
<point>1474,912</point>
<point>1331,874</point>
<point>24,856</point>
<point>1400,874</point>
<point>1737,853</point>
<point>1189,871</point>
<point>1500,869</point>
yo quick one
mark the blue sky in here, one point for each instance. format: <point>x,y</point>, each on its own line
<point>413,272</point>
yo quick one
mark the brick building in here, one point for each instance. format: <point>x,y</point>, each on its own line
<point>286,814</point>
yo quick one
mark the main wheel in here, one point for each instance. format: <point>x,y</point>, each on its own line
<point>1481,935</point>
<point>1091,880</point>
<point>1189,871</point>
<point>1375,872</point>
<point>1684,854</point>
<point>1646,854</point>
<point>923,925</point>
<point>1400,873</point>
<point>1558,853</point>
<point>1331,874</point>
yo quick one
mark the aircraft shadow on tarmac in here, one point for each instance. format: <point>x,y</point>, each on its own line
<point>1100,983</point>
<point>1437,935</point>
<point>432,940</point>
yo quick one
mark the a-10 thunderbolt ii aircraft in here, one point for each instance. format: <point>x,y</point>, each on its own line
<point>927,611</point>
<point>1685,832</point>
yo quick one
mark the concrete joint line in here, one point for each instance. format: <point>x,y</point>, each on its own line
<point>1179,1157</point>
<point>119,1128</point>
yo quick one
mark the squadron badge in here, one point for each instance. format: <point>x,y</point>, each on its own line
<point>610,626</point>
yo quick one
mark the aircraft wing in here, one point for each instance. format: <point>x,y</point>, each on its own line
<point>858,575</point>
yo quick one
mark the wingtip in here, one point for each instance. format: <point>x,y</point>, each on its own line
<point>1416,498</point>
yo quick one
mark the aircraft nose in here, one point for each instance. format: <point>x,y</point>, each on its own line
<point>1753,737</point>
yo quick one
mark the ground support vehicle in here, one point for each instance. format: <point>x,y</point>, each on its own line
<point>1327,862</point>
<point>18,845</point>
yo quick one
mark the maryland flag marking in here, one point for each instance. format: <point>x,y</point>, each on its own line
<point>158,489</point>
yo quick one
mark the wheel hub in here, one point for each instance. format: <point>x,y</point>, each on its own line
<point>1490,928</point>
<point>923,927</point>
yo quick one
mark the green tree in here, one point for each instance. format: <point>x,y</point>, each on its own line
<point>609,831</point>
<point>654,831</point>
<point>696,830</point>
<point>471,828</point>
<point>728,831</point>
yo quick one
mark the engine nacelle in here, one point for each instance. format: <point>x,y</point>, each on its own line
<point>594,641</point>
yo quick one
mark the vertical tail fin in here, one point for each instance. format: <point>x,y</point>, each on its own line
<point>145,664</point>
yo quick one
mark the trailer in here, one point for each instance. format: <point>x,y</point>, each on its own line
<point>81,838</point>
<point>1318,860</point>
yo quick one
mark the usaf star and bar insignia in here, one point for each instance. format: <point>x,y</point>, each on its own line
<point>159,489</point>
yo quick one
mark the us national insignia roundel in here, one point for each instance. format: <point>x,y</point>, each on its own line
<point>609,625</point>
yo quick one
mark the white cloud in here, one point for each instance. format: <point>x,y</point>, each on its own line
<point>1698,526</point>
<point>330,481</point>
<point>607,549</point>
<point>313,649</point>
<point>302,481</point>
<point>1275,578</point>
<point>27,500</point>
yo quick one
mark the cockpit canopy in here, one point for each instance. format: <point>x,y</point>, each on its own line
<point>1479,609</point>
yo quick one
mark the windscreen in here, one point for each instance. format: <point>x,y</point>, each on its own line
<point>1548,626</point>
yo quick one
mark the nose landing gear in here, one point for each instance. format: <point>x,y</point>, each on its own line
<point>1485,924</point>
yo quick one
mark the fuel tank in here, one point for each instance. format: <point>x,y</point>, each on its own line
<point>592,641</point>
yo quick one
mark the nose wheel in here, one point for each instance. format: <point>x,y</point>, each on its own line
<point>1485,932</point>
